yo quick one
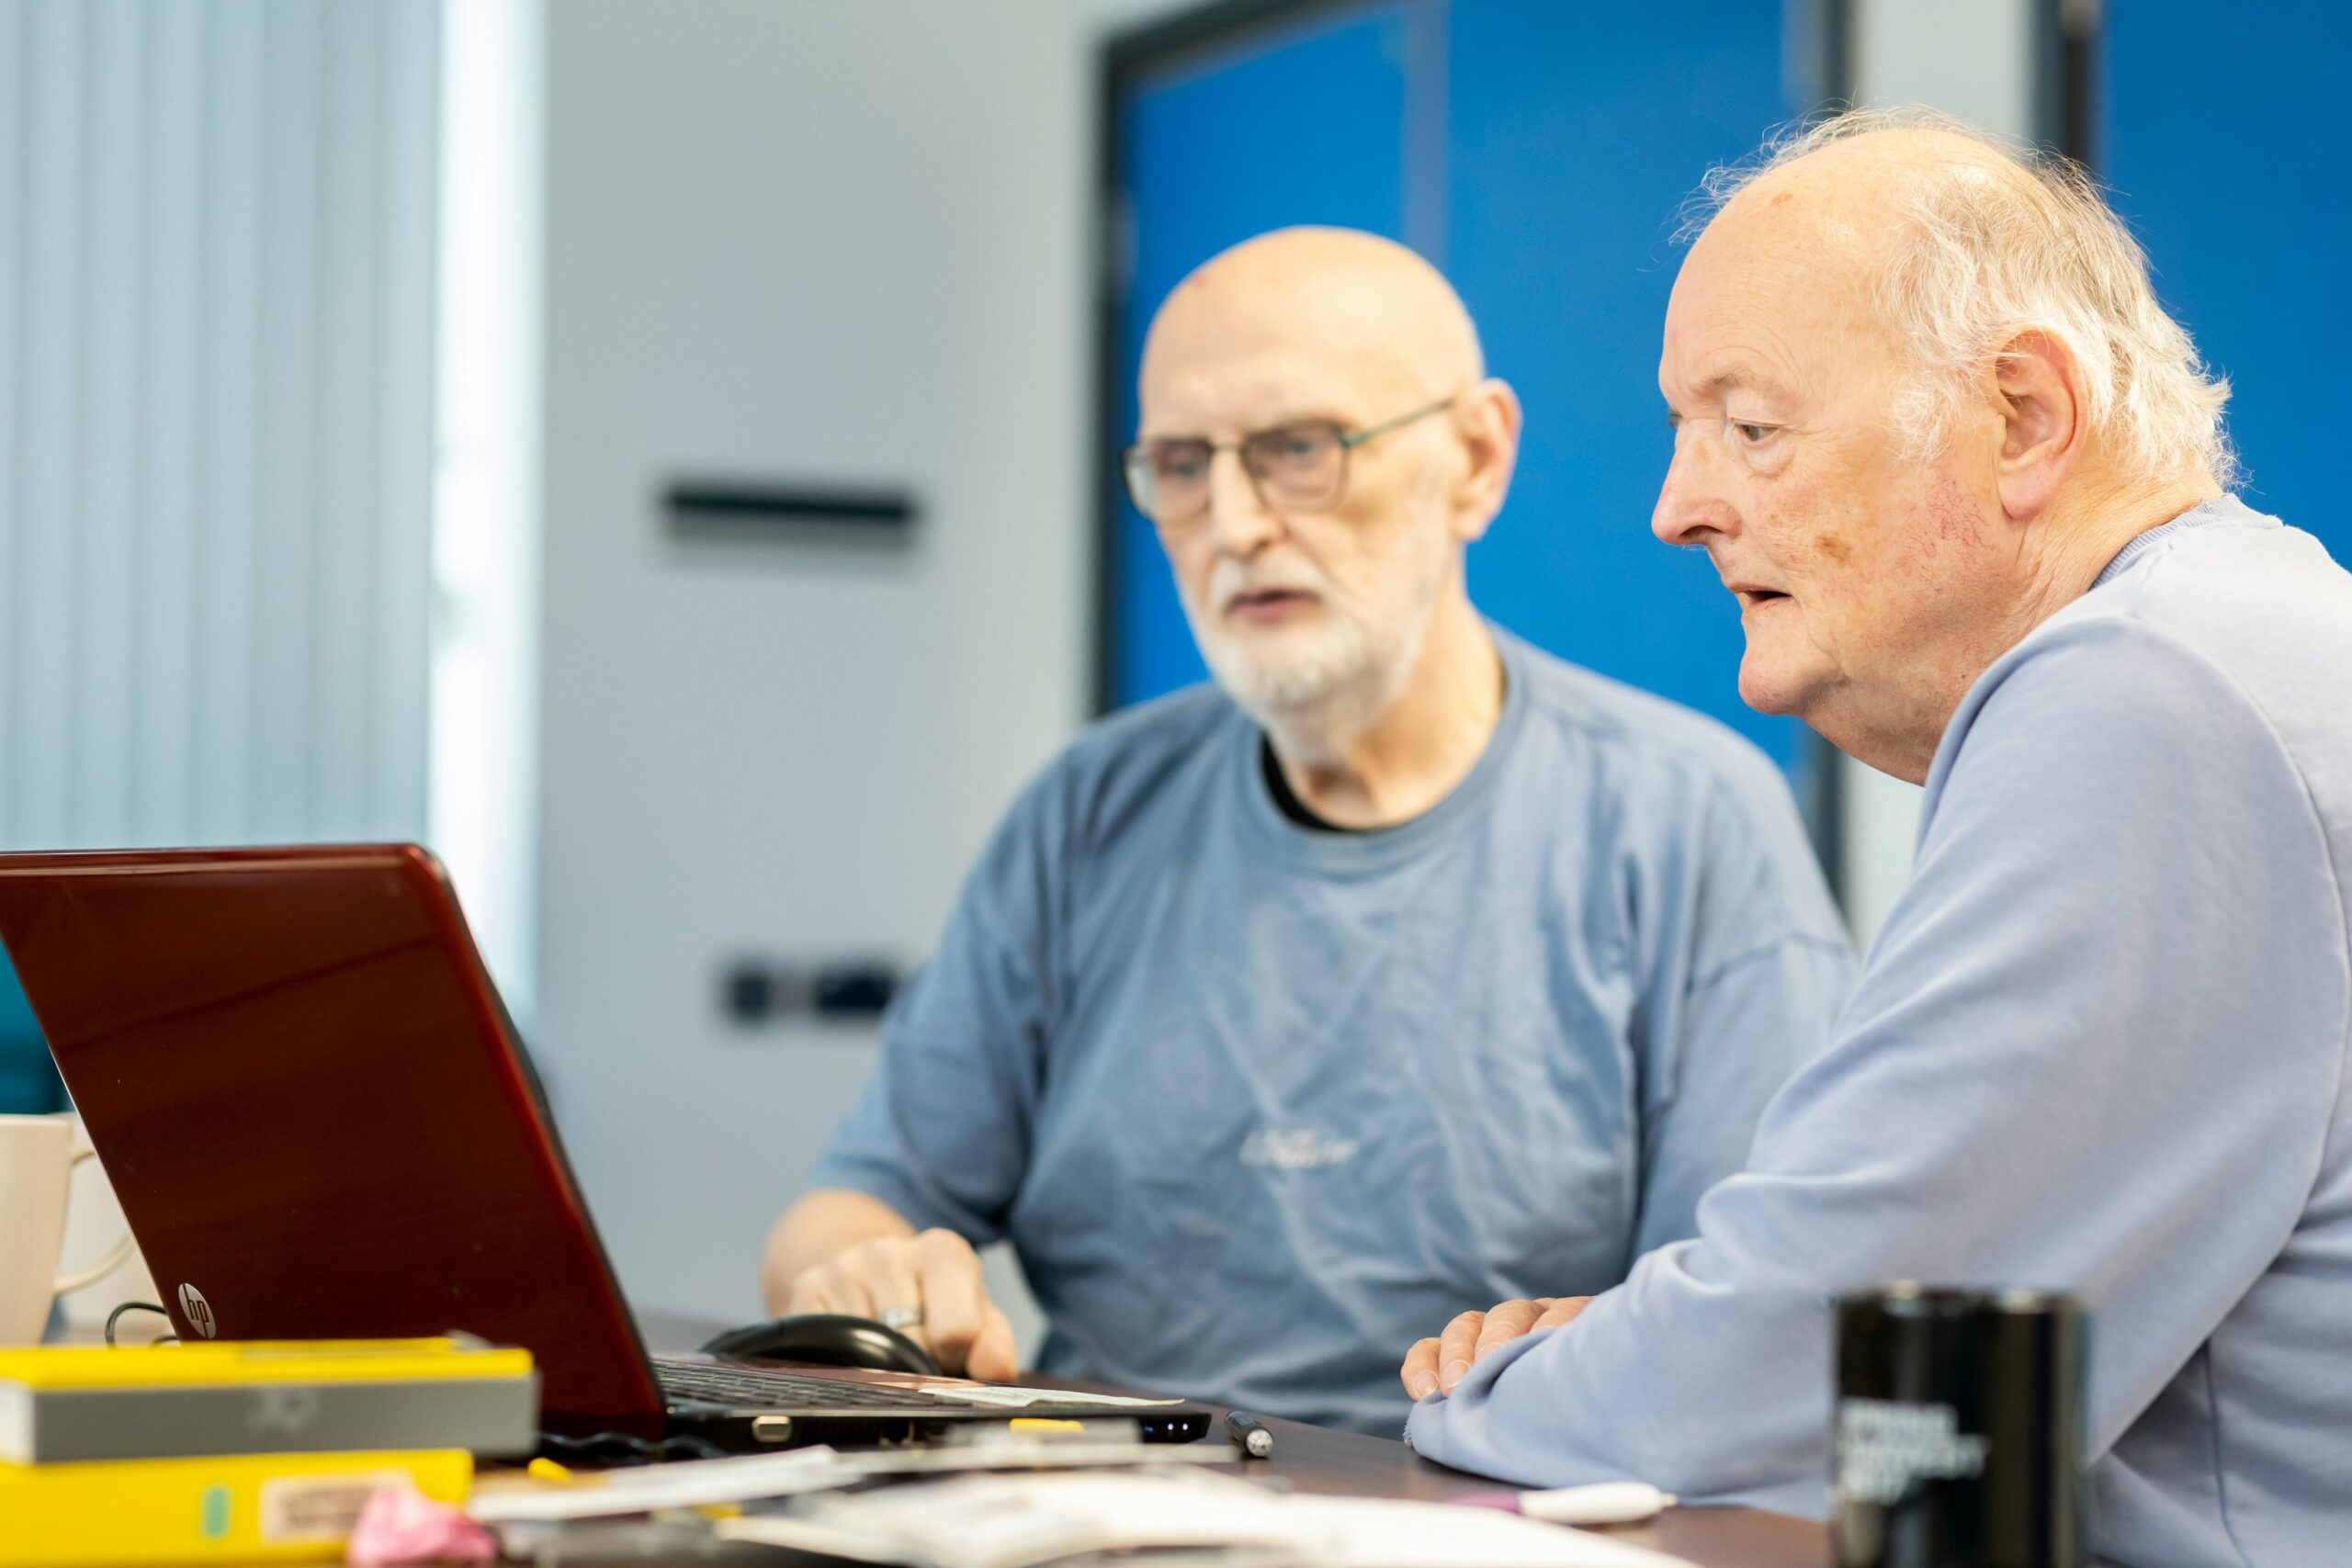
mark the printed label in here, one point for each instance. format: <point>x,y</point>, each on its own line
<point>1885,1448</point>
<point>297,1509</point>
<point>277,1408</point>
<point>1298,1148</point>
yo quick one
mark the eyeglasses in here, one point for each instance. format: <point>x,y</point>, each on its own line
<point>1293,468</point>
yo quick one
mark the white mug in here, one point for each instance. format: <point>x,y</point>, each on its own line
<point>37,1154</point>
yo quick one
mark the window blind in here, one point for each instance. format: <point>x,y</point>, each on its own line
<point>216,268</point>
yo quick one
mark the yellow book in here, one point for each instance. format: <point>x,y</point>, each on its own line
<point>228,1509</point>
<point>73,1403</point>
<point>257,1360</point>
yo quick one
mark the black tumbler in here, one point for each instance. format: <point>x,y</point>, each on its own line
<point>1957,1439</point>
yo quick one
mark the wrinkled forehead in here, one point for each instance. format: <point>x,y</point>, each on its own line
<point>1232,355</point>
<point>1777,291</point>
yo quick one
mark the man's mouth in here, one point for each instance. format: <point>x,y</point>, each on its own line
<point>1750,595</point>
<point>1267,604</point>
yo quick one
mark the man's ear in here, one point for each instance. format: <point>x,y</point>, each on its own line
<point>1487,417</point>
<point>2045,420</point>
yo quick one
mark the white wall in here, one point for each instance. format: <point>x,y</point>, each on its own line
<point>835,240</point>
<point>1974,60</point>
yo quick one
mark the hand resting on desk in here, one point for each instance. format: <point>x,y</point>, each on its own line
<point>1435,1365</point>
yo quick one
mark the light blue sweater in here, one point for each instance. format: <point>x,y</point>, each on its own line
<point>2101,1046</point>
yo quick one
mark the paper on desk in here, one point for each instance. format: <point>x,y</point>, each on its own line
<point>1013,1398</point>
<point>693,1483</point>
<point>690,1484</point>
<point>1018,1522</point>
<point>1370,1532</point>
<point>1025,1522</point>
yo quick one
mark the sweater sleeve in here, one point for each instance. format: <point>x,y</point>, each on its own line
<point>2095,1049</point>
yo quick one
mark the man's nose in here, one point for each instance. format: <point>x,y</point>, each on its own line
<point>1690,508</point>
<point>1238,522</point>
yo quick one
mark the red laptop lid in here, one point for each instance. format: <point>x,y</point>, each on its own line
<point>310,1104</point>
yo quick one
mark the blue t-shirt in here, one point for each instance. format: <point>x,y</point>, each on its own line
<point>2100,1047</point>
<point>1258,1104</point>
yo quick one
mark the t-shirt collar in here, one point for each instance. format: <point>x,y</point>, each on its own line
<point>1384,847</point>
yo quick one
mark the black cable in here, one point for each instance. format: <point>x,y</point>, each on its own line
<point>116,1316</point>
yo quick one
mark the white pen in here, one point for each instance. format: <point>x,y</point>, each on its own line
<point>1604,1503</point>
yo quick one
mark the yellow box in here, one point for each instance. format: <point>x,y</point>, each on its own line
<point>235,1508</point>
<point>257,1362</point>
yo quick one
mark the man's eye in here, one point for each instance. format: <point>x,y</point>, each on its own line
<point>1183,463</point>
<point>1749,435</point>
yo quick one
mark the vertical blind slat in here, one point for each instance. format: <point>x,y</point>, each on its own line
<point>401,567</point>
<point>289,454</point>
<point>106,581</point>
<point>172,388</point>
<point>52,368</point>
<point>14,76</point>
<point>343,521</point>
<point>228,447</point>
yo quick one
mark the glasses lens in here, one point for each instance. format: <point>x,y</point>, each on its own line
<point>1168,478</point>
<point>1298,465</point>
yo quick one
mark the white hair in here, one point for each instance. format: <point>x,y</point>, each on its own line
<point>2024,246</point>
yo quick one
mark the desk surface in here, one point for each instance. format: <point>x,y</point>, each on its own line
<point>1319,1459</point>
<point>1316,1459</point>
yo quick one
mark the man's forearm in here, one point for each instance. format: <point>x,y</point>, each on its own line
<point>820,1226</point>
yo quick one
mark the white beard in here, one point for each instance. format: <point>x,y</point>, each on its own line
<point>1327,686</point>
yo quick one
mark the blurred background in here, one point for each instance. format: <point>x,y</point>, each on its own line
<point>657,452</point>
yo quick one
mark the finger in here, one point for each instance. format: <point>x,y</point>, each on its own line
<point>888,1270</point>
<point>807,1294</point>
<point>1505,1324</point>
<point>1419,1371</point>
<point>822,1289</point>
<point>995,1358</point>
<point>1566,1309</point>
<point>843,1290</point>
<point>953,1297</point>
<point>1456,1347</point>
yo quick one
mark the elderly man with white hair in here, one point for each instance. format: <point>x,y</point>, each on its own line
<point>1968,483</point>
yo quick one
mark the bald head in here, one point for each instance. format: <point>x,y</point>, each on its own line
<point>1853,185</point>
<point>1361,315</point>
<point>1953,243</point>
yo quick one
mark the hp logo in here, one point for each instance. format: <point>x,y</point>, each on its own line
<point>197,1311</point>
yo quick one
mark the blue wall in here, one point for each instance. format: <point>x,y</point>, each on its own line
<point>1576,133</point>
<point>2220,135</point>
<point>1540,154</point>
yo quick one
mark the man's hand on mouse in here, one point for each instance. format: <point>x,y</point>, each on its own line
<point>935,1273</point>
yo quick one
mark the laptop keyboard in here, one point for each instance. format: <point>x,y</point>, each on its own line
<point>753,1388</point>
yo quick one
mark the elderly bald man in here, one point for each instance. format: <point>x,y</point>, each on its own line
<point>1966,480</point>
<point>1402,967</point>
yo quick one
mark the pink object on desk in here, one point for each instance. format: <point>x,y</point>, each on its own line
<point>401,1525</point>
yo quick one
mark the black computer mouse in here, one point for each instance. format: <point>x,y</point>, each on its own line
<point>824,1339</point>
